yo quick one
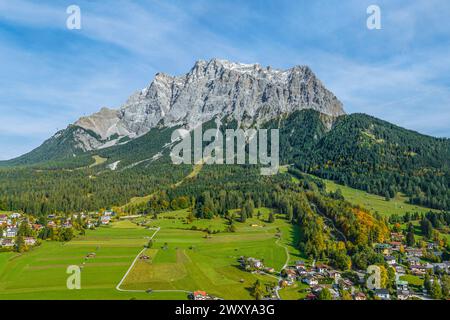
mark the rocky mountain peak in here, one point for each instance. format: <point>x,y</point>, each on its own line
<point>249,93</point>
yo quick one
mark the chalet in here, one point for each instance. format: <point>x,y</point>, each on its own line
<point>3,219</point>
<point>200,295</point>
<point>431,246</point>
<point>400,269</point>
<point>390,260</point>
<point>10,232</point>
<point>383,248</point>
<point>67,225</point>
<point>382,294</point>
<point>91,255</point>
<point>105,220</point>
<point>360,296</point>
<point>291,274</point>
<point>15,215</point>
<point>322,268</point>
<point>443,267</point>
<point>413,262</point>
<point>414,252</point>
<point>253,263</point>
<point>30,241</point>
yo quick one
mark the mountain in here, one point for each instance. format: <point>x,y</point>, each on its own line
<point>316,136</point>
<point>246,93</point>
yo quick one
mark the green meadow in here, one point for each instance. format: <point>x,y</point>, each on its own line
<point>375,203</point>
<point>185,259</point>
<point>181,260</point>
<point>41,272</point>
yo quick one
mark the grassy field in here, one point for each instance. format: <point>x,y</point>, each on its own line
<point>183,259</point>
<point>41,273</point>
<point>375,203</point>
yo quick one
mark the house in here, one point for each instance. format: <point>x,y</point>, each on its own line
<point>109,213</point>
<point>414,252</point>
<point>403,294</point>
<point>3,219</point>
<point>322,268</point>
<point>413,262</point>
<point>402,285</point>
<point>345,284</point>
<point>383,248</point>
<point>418,270</point>
<point>397,236</point>
<point>10,232</point>
<point>291,274</point>
<point>311,296</point>
<point>67,225</point>
<point>390,260</point>
<point>253,263</point>
<point>15,215</point>
<point>399,269</point>
<point>269,270</point>
<point>37,227</point>
<point>105,220</point>
<point>443,267</point>
<point>360,296</point>
<point>7,243</point>
<point>200,295</point>
<point>395,245</point>
<point>299,263</point>
<point>51,224</point>
<point>311,281</point>
<point>383,294</point>
<point>30,241</point>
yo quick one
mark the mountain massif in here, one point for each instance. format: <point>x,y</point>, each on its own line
<point>316,136</point>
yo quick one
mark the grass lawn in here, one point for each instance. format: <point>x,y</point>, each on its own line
<point>183,259</point>
<point>180,259</point>
<point>375,203</point>
<point>97,161</point>
<point>298,291</point>
<point>41,272</point>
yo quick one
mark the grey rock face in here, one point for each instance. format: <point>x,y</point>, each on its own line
<point>247,93</point>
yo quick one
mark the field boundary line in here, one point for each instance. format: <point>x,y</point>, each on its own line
<point>133,263</point>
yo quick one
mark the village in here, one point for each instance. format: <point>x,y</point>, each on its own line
<point>405,263</point>
<point>20,232</point>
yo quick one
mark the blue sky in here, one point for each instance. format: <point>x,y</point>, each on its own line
<point>50,76</point>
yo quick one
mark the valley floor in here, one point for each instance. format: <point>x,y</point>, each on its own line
<point>180,261</point>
